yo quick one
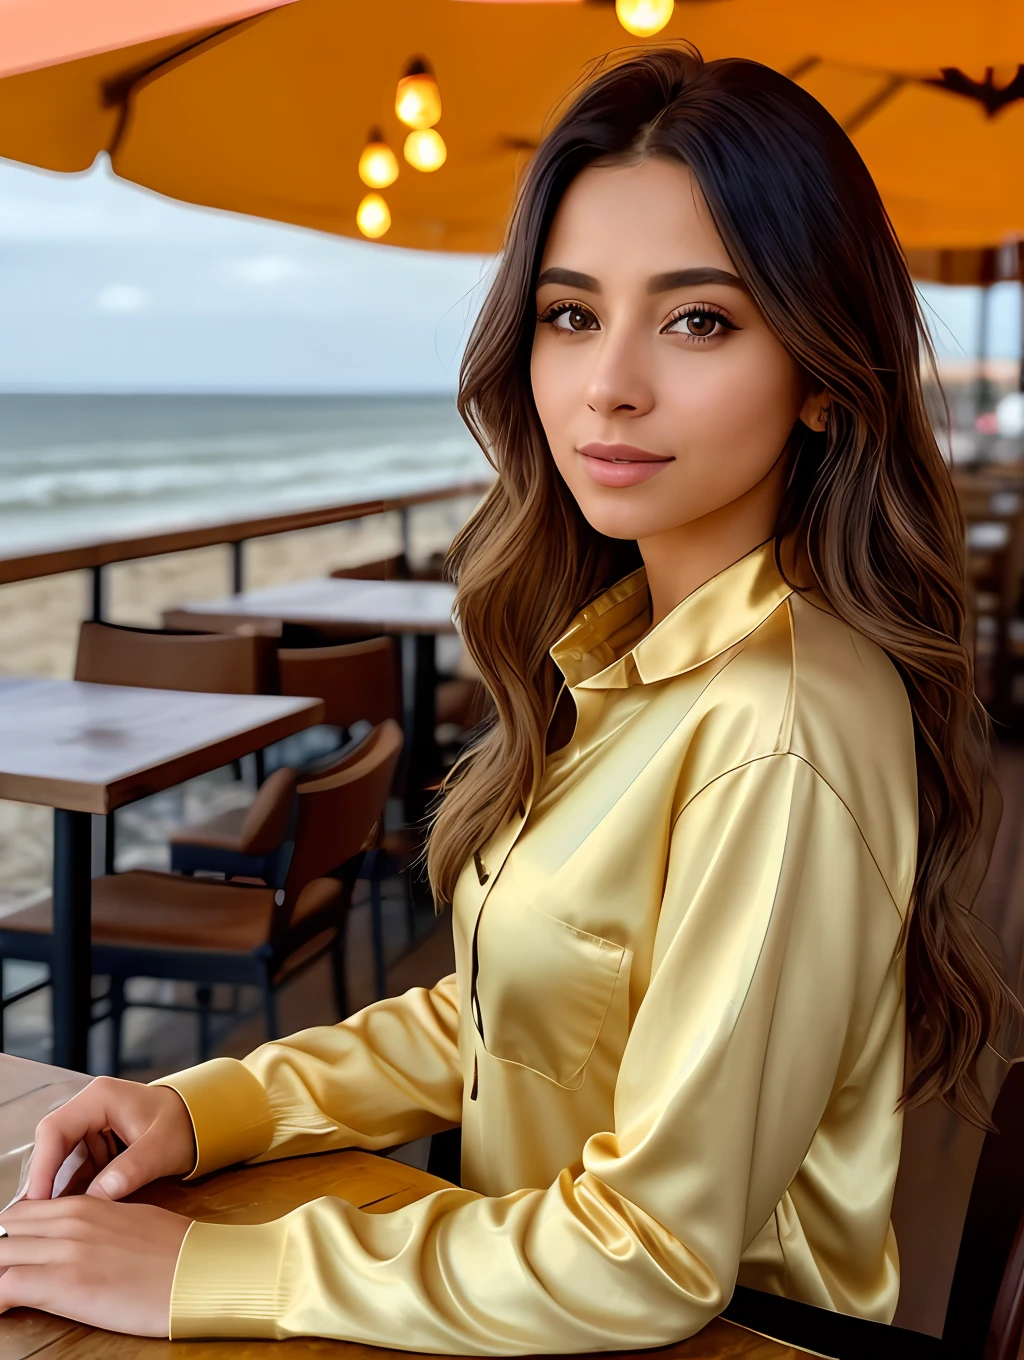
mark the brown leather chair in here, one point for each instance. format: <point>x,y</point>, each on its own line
<point>148,924</point>
<point>213,663</point>
<point>985,1314</point>
<point>358,681</point>
<point>247,842</point>
<point>384,569</point>
<point>397,568</point>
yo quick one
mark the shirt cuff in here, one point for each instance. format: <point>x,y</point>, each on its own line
<point>228,1280</point>
<point>229,1110</point>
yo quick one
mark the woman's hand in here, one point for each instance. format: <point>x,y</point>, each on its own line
<point>86,1258</point>
<point>153,1121</point>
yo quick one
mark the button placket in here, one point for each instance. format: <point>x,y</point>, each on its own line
<point>486,878</point>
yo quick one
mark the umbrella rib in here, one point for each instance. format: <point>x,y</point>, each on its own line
<point>802,67</point>
<point>120,91</point>
<point>871,106</point>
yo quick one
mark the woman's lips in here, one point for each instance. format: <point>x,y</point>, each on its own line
<point>620,464</point>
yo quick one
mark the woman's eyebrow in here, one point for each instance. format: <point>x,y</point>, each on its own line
<point>571,278</point>
<point>689,278</point>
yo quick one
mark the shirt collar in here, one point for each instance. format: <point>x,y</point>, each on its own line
<point>599,649</point>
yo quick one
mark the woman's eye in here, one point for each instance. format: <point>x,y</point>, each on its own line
<point>571,319</point>
<point>701,325</point>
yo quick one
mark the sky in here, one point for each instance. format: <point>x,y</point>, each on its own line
<point>108,287</point>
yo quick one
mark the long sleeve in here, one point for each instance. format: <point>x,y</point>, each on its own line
<point>388,1074</point>
<point>775,993</point>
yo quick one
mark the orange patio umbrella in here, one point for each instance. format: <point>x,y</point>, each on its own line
<point>269,114</point>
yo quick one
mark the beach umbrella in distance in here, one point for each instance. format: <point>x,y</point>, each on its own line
<point>277,115</point>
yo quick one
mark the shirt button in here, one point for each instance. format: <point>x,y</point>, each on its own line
<point>576,656</point>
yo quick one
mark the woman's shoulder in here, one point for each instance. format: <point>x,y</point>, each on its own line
<point>851,721</point>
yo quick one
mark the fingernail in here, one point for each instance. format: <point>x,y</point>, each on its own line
<point>110,1185</point>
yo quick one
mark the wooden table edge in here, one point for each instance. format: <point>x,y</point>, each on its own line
<point>77,796</point>
<point>271,624</point>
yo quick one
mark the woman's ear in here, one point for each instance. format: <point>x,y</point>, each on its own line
<point>814,412</point>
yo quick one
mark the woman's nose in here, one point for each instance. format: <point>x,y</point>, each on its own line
<point>618,384</point>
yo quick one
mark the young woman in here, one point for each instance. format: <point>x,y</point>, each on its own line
<point>708,863</point>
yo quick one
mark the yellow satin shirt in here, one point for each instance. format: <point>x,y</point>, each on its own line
<point>675,1034</point>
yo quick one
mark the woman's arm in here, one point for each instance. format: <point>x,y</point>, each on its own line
<point>775,987</point>
<point>386,1075</point>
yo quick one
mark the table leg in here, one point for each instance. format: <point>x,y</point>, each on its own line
<point>422,765</point>
<point>72,937</point>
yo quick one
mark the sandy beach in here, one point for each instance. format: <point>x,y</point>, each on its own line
<point>39,625</point>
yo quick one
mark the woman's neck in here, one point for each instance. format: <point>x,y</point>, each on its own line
<point>680,560</point>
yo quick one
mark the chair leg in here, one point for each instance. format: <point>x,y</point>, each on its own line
<point>204,995</point>
<point>260,762</point>
<point>109,843</point>
<point>338,974</point>
<point>117,1008</point>
<point>270,1008</point>
<point>380,972</point>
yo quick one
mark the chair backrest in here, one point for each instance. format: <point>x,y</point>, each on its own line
<point>356,680</point>
<point>268,819</point>
<point>384,569</point>
<point>985,1316</point>
<point>339,811</point>
<point>214,663</point>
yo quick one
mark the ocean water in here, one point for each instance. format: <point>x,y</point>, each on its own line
<point>74,468</point>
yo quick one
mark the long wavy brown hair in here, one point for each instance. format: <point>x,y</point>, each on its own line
<point>870,505</point>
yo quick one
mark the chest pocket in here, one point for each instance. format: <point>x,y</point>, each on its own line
<point>541,990</point>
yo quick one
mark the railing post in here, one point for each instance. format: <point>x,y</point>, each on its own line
<point>238,566</point>
<point>96,612</point>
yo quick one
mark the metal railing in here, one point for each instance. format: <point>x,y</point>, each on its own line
<point>95,555</point>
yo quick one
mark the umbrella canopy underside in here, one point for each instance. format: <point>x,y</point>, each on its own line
<point>267,115</point>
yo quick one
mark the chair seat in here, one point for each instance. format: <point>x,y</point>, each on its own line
<point>165,911</point>
<point>223,832</point>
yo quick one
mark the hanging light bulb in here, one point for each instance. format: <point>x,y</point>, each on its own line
<point>425,149</point>
<point>378,165</point>
<point>644,17</point>
<point>373,217</point>
<point>417,99</point>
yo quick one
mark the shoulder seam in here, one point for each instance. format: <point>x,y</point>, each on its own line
<point>795,755</point>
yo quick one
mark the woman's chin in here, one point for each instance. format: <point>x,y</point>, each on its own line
<point>613,515</point>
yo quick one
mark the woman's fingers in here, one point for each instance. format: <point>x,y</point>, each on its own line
<point>84,1115</point>
<point>106,1264</point>
<point>152,1121</point>
<point>139,1164</point>
<point>71,1219</point>
<point>24,1287</point>
<point>34,1251</point>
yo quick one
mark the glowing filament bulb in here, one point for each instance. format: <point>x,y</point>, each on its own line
<point>378,165</point>
<point>372,216</point>
<point>425,150</point>
<point>644,17</point>
<point>417,99</point>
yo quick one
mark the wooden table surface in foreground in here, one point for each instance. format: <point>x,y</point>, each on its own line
<point>255,1195</point>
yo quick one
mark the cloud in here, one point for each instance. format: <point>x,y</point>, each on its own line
<point>122,297</point>
<point>264,269</point>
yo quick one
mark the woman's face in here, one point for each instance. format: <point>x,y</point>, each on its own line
<point>663,394</point>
